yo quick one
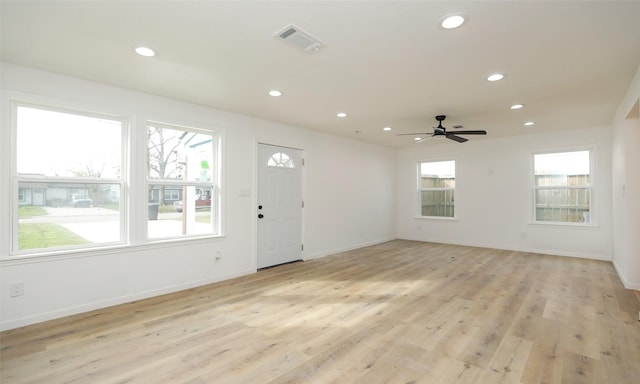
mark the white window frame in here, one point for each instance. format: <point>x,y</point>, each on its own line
<point>132,183</point>
<point>590,188</point>
<point>17,179</point>
<point>213,184</point>
<point>420,189</point>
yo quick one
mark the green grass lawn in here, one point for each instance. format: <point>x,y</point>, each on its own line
<point>166,208</point>
<point>45,235</point>
<point>28,211</point>
<point>48,235</point>
<point>206,219</point>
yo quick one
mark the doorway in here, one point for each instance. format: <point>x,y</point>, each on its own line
<point>279,205</point>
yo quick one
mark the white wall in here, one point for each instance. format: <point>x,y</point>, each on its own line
<point>493,194</point>
<point>349,203</point>
<point>355,194</point>
<point>626,186</point>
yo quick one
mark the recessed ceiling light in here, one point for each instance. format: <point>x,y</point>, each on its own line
<point>386,128</point>
<point>417,138</point>
<point>453,21</point>
<point>275,93</point>
<point>495,77</point>
<point>146,52</point>
<point>517,106</point>
<point>529,123</point>
<point>341,114</point>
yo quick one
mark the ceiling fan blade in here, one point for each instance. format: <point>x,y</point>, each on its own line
<point>456,138</point>
<point>412,134</point>
<point>478,132</point>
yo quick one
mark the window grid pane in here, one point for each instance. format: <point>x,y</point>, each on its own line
<point>192,213</point>
<point>62,214</point>
<point>571,205</point>
<point>437,203</point>
<point>64,144</point>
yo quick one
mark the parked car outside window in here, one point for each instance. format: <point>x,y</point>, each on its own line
<point>80,201</point>
<point>202,201</point>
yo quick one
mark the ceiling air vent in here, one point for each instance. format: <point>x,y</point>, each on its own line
<point>299,38</point>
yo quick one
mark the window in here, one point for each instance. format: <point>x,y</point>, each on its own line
<point>68,170</point>
<point>72,188</point>
<point>182,182</point>
<point>562,187</point>
<point>281,160</point>
<point>436,185</point>
<point>171,195</point>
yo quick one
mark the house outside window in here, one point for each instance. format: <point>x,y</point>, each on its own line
<point>562,191</point>
<point>436,187</point>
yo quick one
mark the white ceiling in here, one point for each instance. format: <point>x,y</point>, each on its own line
<point>386,63</point>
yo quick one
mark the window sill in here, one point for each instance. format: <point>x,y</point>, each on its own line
<point>27,258</point>
<point>437,218</point>
<point>551,224</point>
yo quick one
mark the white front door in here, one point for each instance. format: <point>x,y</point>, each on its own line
<point>37,197</point>
<point>279,205</point>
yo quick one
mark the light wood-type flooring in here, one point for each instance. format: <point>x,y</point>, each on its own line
<point>398,312</point>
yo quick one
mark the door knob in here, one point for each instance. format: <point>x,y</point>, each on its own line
<point>260,216</point>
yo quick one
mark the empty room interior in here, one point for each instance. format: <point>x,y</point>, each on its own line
<point>320,192</point>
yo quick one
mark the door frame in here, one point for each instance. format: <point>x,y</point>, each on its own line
<point>254,209</point>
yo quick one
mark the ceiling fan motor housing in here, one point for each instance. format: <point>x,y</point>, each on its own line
<point>440,131</point>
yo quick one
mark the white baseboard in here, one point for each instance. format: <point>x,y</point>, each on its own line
<point>627,284</point>
<point>346,249</point>
<point>580,255</point>
<point>41,317</point>
<point>70,311</point>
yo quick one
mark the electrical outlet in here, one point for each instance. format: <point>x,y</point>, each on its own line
<point>16,289</point>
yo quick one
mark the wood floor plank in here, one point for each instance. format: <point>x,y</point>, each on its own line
<point>545,364</point>
<point>510,359</point>
<point>578,369</point>
<point>397,312</point>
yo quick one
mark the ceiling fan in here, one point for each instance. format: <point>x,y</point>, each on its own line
<point>441,131</point>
